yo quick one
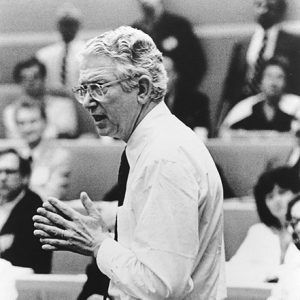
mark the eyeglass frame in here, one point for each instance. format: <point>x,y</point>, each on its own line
<point>10,172</point>
<point>76,89</point>
<point>294,222</point>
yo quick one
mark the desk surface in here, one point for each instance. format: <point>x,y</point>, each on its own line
<point>67,287</point>
<point>50,286</point>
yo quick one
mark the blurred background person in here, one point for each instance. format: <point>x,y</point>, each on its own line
<point>288,287</point>
<point>293,219</point>
<point>248,55</point>
<point>189,106</point>
<point>175,38</point>
<point>271,108</point>
<point>293,159</point>
<point>267,244</point>
<point>18,204</point>
<point>60,58</point>
<point>30,75</point>
<point>51,163</point>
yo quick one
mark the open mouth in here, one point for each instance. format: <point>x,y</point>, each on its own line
<point>297,133</point>
<point>99,118</point>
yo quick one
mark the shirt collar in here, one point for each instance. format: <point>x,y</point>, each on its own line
<point>11,204</point>
<point>139,137</point>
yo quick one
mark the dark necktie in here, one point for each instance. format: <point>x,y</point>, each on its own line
<point>63,71</point>
<point>257,71</point>
<point>97,282</point>
<point>122,181</point>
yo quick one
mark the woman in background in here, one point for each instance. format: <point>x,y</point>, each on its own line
<point>267,243</point>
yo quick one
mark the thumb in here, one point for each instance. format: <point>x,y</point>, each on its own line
<point>88,204</point>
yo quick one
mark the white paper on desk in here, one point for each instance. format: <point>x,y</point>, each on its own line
<point>8,289</point>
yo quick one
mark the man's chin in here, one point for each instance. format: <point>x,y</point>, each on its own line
<point>104,132</point>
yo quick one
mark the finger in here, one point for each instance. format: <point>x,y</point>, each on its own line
<point>47,205</point>
<point>88,204</point>
<point>54,244</point>
<point>41,234</point>
<point>52,231</point>
<point>54,218</point>
<point>49,247</point>
<point>62,208</point>
<point>41,219</point>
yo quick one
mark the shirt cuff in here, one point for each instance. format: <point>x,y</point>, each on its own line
<point>107,256</point>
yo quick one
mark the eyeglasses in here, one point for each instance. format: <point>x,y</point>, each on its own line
<point>95,90</point>
<point>9,172</point>
<point>294,222</point>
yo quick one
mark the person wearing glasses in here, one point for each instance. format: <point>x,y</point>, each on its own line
<point>169,242</point>
<point>293,219</point>
<point>267,244</point>
<point>288,284</point>
<point>18,204</point>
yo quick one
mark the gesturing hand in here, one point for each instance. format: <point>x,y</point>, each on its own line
<point>60,227</point>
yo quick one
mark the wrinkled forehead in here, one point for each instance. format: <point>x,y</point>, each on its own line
<point>93,68</point>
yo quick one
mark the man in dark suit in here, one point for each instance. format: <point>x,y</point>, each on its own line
<point>249,54</point>
<point>175,38</point>
<point>18,204</point>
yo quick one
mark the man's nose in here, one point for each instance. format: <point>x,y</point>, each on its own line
<point>88,101</point>
<point>297,228</point>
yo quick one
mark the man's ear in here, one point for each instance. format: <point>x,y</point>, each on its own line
<point>145,89</point>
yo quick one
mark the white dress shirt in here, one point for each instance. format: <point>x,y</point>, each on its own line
<point>170,226</point>
<point>257,40</point>
<point>288,287</point>
<point>258,257</point>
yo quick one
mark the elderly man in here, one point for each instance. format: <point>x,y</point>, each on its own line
<point>18,204</point>
<point>169,229</point>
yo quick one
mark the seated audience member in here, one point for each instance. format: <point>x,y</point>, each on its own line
<point>271,109</point>
<point>50,165</point>
<point>267,244</point>
<point>293,219</point>
<point>60,58</point>
<point>294,156</point>
<point>189,105</point>
<point>61,114</point>
<point>288,287</point>
<point>18,204</point>
<point>268,40</point>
